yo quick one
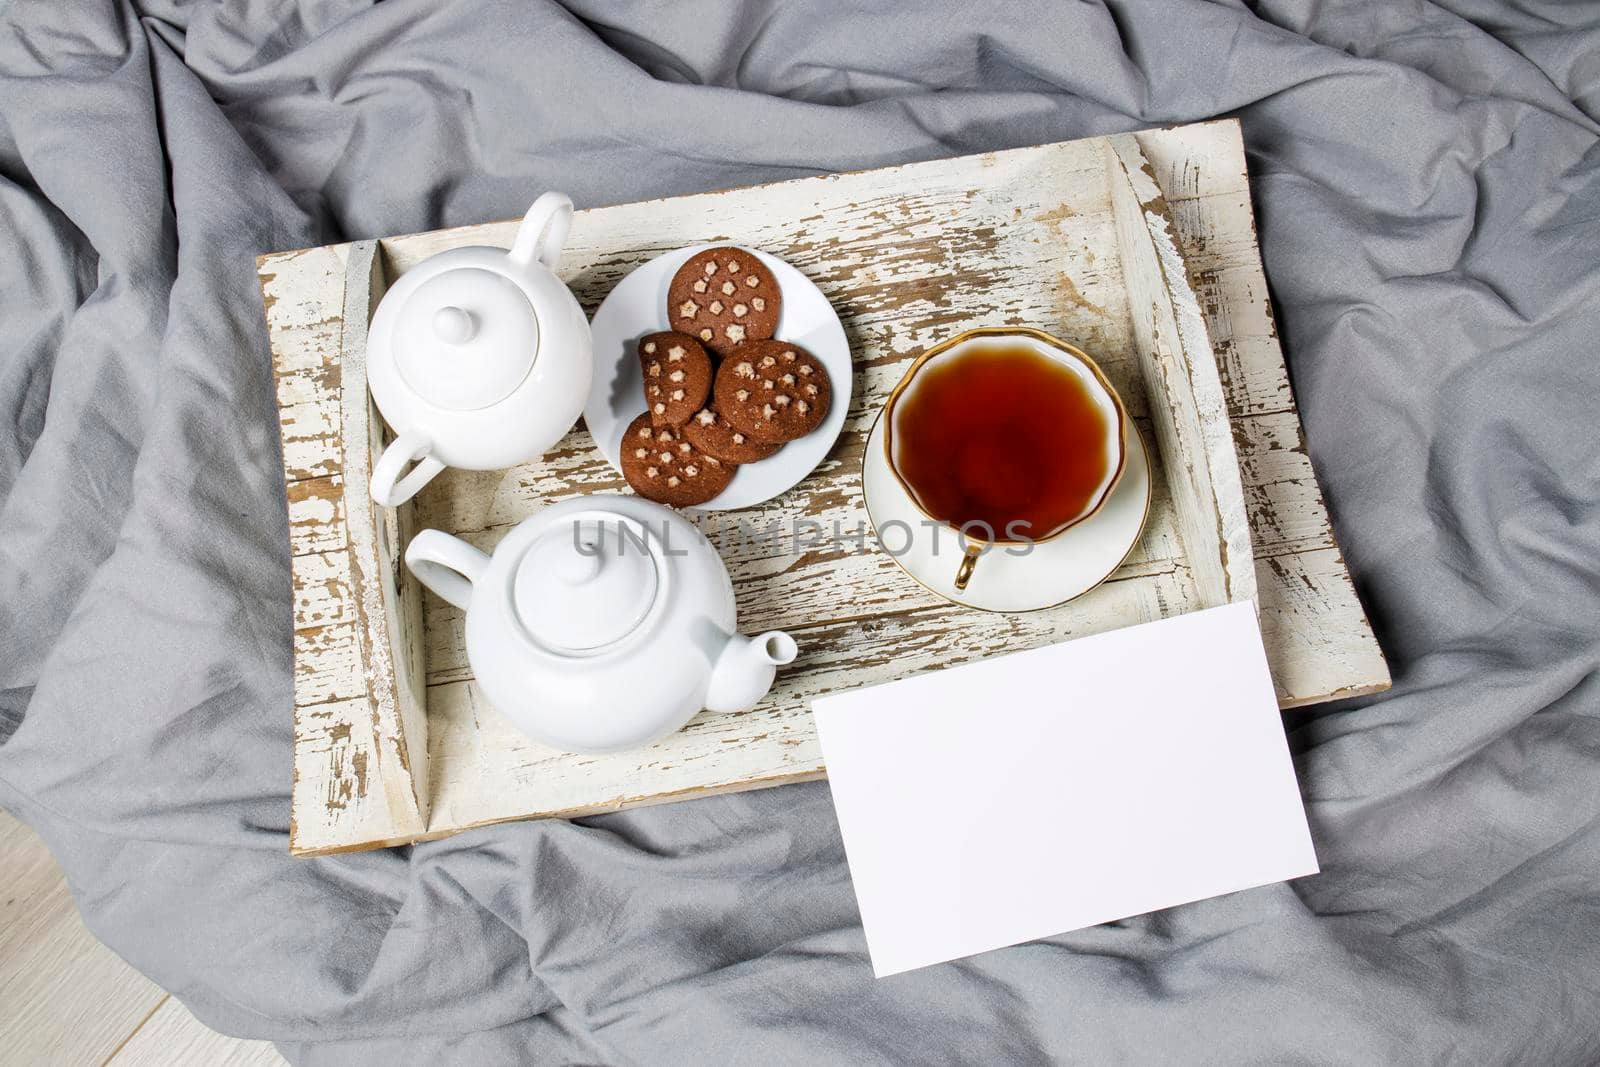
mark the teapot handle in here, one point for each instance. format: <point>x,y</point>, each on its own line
<point>388,487</point>
<point>445,564</point>
<point>543,231</point>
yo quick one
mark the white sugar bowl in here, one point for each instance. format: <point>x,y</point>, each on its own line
<point>601,623</point>
<point>478,357</point>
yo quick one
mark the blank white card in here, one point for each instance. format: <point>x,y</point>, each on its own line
<point>1046,791</point>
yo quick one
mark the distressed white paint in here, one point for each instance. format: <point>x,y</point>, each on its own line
<point>908,255</point>
<point>1191,421</point>
<point>380,589</point>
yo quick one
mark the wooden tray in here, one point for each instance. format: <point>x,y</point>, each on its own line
<point>1140,248</point>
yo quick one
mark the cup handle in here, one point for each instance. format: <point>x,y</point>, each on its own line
<point>969,563</point>
<point>445,564</point>
<point>388,487</point>
<point>543,231</point>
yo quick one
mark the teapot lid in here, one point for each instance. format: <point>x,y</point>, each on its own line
<point>586,583</point>
<point>465,338</point>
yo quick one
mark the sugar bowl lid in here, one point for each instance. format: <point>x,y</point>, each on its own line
<point>587,582</point>
<point>465,338</point>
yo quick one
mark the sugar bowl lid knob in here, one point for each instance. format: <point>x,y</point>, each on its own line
<point>454,325</point>
<point>466,338</point>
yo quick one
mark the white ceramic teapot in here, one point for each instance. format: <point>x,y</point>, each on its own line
<point>601,623</point>
<point>478,357</point>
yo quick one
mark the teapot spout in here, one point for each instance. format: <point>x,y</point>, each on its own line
<point>745,668</point>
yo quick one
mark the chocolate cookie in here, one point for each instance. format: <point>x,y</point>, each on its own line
<point>773,391</point>
<point>711,434</point>
<point>724,297</point>
<point>662,466</point>
<point>677,377</point>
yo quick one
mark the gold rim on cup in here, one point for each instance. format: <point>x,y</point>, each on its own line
<point>969,559</point>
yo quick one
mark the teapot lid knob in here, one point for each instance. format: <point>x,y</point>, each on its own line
<point>580,566</point>
<point>587,582</point>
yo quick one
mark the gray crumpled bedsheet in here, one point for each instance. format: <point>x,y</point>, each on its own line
<point>1427,178</point>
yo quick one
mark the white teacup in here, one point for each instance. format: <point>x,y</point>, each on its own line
<point>1000,445</point>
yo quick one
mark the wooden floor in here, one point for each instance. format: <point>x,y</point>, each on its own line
<point>67,999</point>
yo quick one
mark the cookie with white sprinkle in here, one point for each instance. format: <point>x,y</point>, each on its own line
<point>724,297</point>
<point>662,466</point>
<point>772,391</point>
<point>677,377</point>
<point>711,434</point>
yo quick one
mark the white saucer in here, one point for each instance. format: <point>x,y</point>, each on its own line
<point>638,305</point>
<point>1053,573</point>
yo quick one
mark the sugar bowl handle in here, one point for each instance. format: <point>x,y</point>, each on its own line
<point>388,487</point>
<point>445,564</point>
<point>543,231</point>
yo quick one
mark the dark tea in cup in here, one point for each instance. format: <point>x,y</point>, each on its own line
<point>1009,436</point>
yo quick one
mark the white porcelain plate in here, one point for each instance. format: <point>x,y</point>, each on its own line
<point>1054,572</point>
<point>638,305</point>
